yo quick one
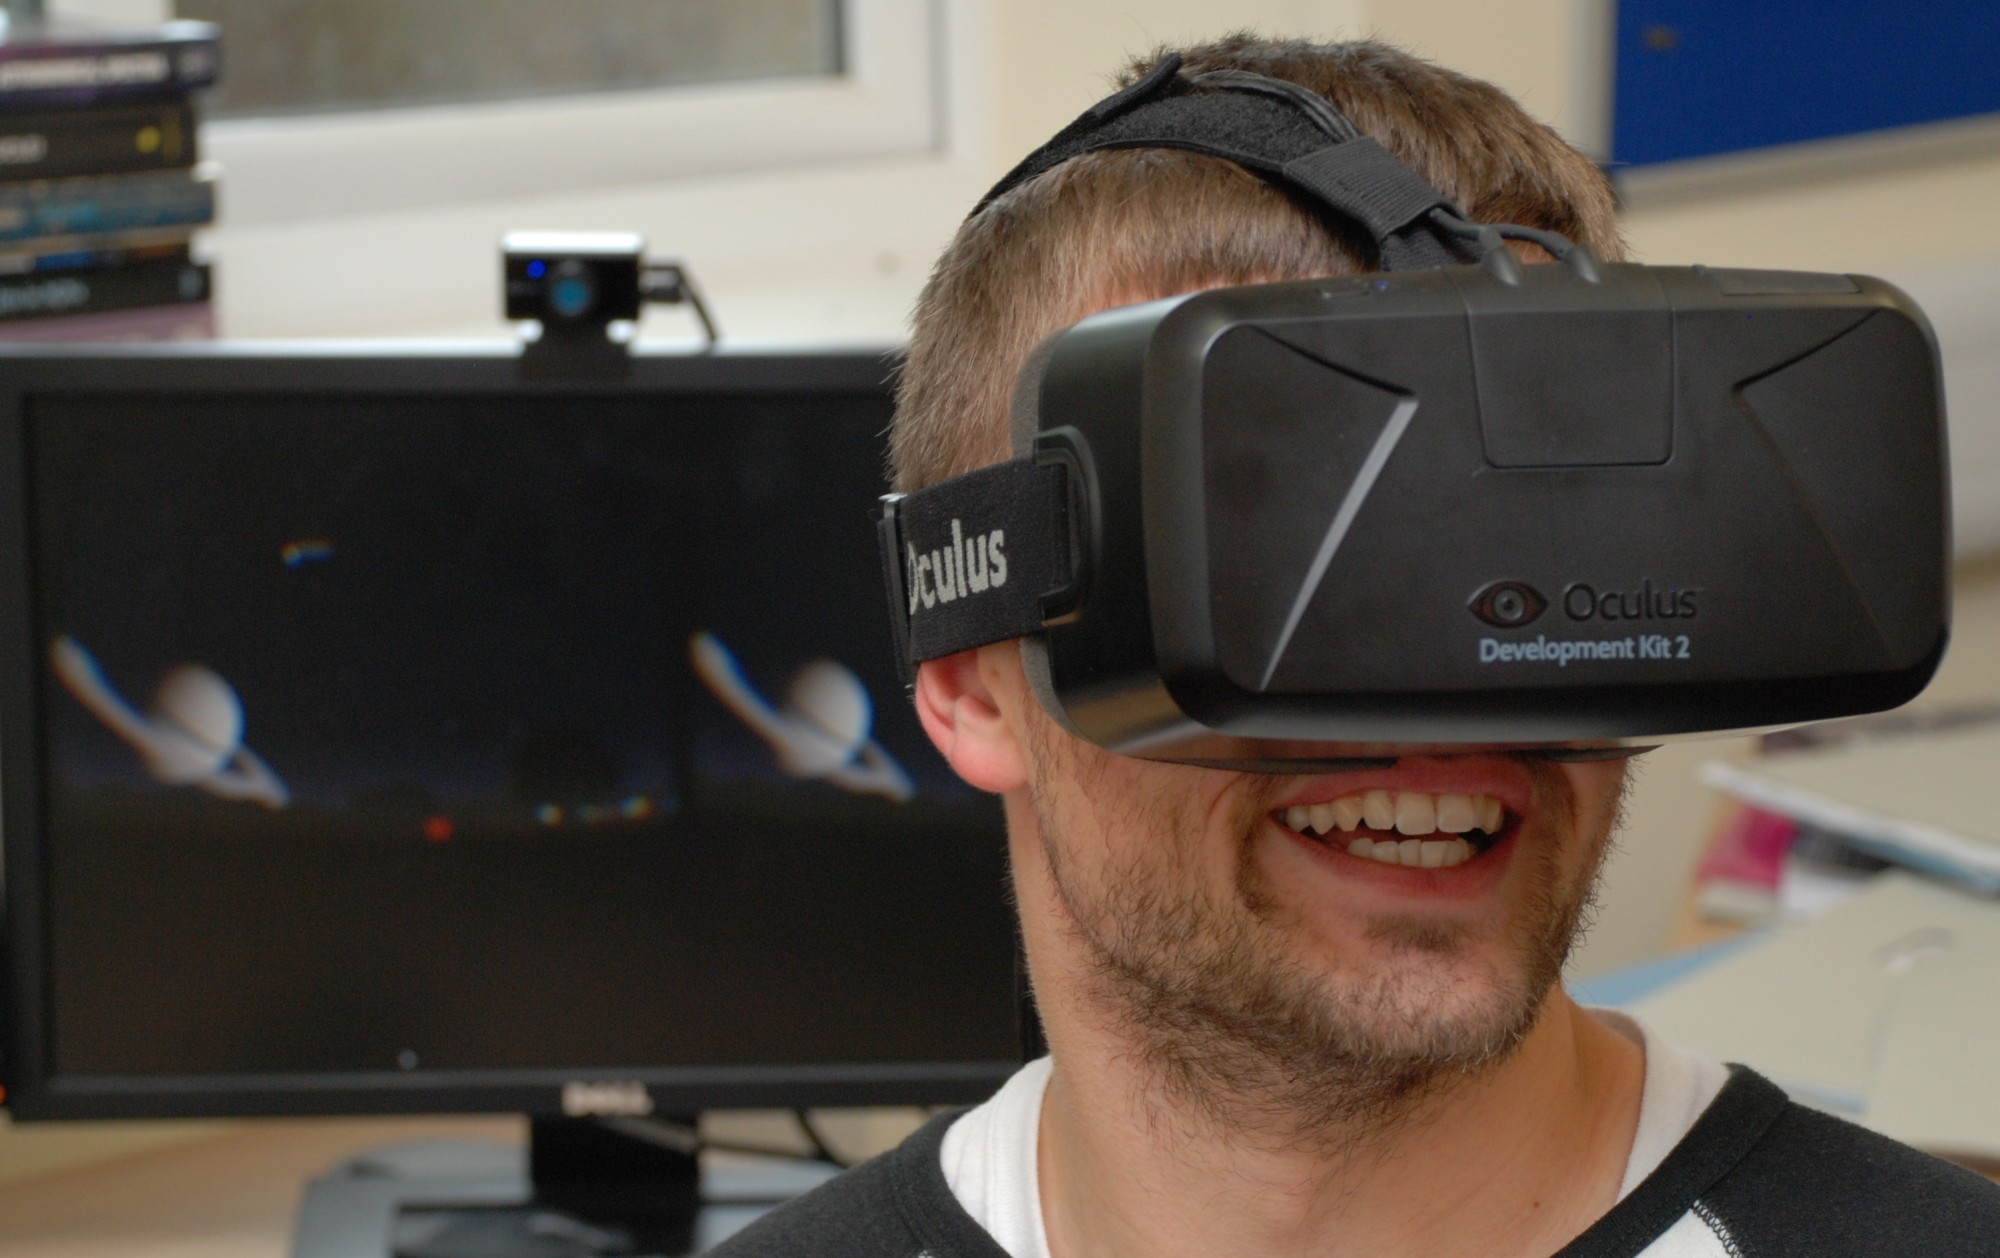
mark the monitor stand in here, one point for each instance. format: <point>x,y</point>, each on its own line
<point>583,1188</point>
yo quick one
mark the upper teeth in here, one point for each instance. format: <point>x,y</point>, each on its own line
<point>1405,812</point>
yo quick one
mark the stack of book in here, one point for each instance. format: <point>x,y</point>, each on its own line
<point>100,186</point>
<point>1909,795</point>
<point>1830,807</point>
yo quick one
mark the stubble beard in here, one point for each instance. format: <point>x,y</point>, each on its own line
<point>1244,1037</point>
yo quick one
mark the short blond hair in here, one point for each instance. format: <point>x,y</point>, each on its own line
<point>1111,228</point>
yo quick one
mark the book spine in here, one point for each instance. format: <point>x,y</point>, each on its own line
<point>55,253</point>
<point>181,321</point>
<point>108,203</point>
<point>58,73</point>
<point>83,259</point>
<point>110,140</point>
<point>95,289</point>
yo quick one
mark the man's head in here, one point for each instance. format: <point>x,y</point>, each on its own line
<point>1115,228</point>
<point>1270,977</point>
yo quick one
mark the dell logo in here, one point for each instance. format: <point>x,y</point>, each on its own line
<point>23,150</point>
<point>606,1100</point>
<point>1508,604</point>
<point>1586,602</point>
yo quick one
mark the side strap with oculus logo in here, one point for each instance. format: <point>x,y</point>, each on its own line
<point>977,559</point>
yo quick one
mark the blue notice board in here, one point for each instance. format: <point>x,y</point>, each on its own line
<point>1695,78</point>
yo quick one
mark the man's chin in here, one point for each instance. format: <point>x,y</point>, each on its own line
<point>1279,1051</point>
<point>1360,1020</point>
<point>1437,993</point>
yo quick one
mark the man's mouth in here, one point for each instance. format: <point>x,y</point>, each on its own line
<point>1402,827</point>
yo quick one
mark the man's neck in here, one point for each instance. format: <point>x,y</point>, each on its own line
<point>1517,1160</point>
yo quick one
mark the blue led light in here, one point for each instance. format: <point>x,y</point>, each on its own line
<point>537,269</point>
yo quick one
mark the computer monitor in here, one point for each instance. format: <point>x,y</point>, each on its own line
<point>391,732</point>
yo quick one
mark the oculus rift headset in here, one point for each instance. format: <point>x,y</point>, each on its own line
<point>1575,508</point>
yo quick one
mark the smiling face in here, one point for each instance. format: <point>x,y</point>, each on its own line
<point>1289,980</point>
<point>1273,968</point>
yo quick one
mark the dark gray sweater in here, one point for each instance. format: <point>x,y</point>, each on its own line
<point>1762,1177</point>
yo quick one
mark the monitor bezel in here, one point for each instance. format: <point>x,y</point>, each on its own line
<point>32,1091</point>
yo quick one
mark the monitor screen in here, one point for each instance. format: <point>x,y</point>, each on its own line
<point>406,737</point>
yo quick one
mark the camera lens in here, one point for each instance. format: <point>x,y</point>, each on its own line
<point>572,290</point>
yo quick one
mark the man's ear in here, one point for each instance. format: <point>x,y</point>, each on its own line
<point>960,703</point>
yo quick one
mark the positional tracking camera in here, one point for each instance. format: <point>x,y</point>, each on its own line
<point>572,281</point>
<point>576,285</point>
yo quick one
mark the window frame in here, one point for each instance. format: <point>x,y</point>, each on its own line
<point>886,102</point>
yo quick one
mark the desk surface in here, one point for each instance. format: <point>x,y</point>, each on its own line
<point>228,1195</point>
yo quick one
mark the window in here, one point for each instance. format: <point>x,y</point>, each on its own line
<point>322,56</point>
<point>852,79</point>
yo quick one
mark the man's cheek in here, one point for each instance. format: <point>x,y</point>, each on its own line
<point>1596,790</point>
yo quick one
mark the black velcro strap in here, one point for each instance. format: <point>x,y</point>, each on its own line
<point>1355,179</point>
<point>1386,197</point>
<point>1074,138</point>
<point>1145,87</point>
<point>971,560</point>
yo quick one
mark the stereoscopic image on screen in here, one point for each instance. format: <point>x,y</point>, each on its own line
<point>460,734</point>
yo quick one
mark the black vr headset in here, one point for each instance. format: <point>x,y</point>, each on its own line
<point>1456,503</point>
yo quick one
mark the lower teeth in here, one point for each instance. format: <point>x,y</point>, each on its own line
<point>1452,848</point>
<point>1418,853</point>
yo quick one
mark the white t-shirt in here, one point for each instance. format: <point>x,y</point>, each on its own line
<point>989,1154</point>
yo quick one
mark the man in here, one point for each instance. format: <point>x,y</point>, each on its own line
<point>1268,1034</point>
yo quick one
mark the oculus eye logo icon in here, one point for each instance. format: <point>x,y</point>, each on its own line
<point>1508,604</point>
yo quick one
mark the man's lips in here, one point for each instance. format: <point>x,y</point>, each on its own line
<point>1471,880</point>
<point>1432,813</point>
